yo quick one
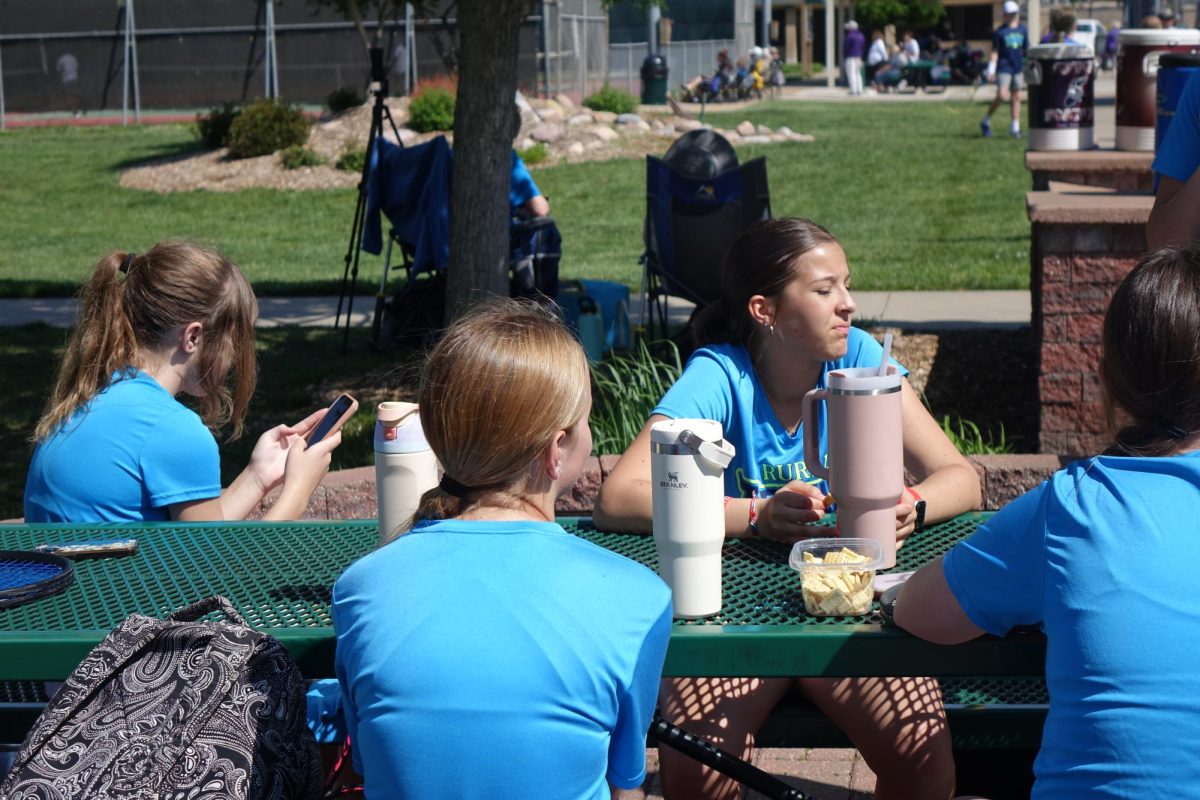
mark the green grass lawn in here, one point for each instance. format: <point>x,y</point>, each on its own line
<point>919,200</point>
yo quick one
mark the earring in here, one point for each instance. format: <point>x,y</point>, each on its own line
<point>771,329</point>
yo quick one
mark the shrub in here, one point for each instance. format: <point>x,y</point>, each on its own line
<point>297,156</point>
<point>265,126</point>
<point>625,389</point>
<point>610,98</point>
<point>534,155</point>
<point>342,98</point>
<point>352,161</point>
<point>431,110</point>
<point>212,129</point>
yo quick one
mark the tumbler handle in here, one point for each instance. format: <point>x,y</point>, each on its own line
<point>812,441</point>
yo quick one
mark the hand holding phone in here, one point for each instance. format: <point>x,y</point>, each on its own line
<point>335,417</point>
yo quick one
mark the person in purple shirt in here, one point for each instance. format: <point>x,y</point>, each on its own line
<point>1111,42</point>
<point>853,48</point>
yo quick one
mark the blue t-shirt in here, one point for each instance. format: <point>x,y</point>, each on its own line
<point>125,457</point>
<point>1179,154</point>
<point>1010,43</point>
<point>1103,557</point>
<point>719,383</point>
<point>521,188</point>
<point>498,659</point>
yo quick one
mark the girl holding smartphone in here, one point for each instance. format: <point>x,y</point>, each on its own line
<point>114,444</point>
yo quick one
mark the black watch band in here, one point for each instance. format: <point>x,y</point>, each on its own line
<point>919,507</point>
<point>887,604</point>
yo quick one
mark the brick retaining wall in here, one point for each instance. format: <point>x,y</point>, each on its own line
<point>350,494</point>
<point>1082,245</point>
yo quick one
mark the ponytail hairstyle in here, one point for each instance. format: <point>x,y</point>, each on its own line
<point>495,390</point>
<point>1150,369</point>
<point>761,261</point>
<point>130,312</point>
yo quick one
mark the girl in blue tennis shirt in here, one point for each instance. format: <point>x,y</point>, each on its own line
<point>486,652</point>
<point>1102,557</point>
<point>114,444</point>
<point>782,324</point>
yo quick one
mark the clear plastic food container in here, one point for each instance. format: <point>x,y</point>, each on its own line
<point>837,576</point>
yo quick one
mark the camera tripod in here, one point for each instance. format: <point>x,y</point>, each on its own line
<point>379,110</point>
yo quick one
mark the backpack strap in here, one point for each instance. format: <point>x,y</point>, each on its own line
<point>200,608</point>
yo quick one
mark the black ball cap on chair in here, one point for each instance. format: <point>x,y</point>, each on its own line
<point>701,153</point>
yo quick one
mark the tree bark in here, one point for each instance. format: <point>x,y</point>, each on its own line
<point>483,130</point>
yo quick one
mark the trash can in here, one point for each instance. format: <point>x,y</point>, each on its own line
<point>1174,70</point>
<point>1137,71</point>
<point>654,80</point>
<point>1062,103</point>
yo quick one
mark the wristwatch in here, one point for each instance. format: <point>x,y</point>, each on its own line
<point>919,507</point>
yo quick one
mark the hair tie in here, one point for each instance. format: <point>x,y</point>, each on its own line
<point>125,262</point>
<point>1172,430</point>
<point>453,487</point>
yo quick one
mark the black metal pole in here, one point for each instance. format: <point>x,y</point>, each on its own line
<point>726,763</point>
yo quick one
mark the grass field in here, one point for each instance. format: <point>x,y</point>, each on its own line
<point>919,200</point>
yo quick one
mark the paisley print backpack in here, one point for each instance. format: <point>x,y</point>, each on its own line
<point>174,708</point>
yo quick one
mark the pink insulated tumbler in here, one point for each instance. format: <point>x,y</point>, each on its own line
<point>866,451</point>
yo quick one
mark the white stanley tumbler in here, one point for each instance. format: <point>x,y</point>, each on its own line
<point>688,458</point>
<point>405,467</point>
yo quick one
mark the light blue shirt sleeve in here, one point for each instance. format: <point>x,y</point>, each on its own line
<point>627,751</point>
<point>998,573</point>
<point>184,464</point>
<point>521,188</point>
<point>1179,154</point>
<point>703,391</point>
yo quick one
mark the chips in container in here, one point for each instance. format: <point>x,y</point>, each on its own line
<point>837,576</point>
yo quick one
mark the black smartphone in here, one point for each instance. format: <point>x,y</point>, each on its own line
<point>340,411</point>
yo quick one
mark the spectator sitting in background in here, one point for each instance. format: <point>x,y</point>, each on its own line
<point>1062,26</point>
<point>1151,21</point>
<point>891,72</point>
<point>877,56</point>
<point>1167,18</point>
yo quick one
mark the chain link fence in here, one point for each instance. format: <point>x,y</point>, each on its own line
<point>70,55</point>
<point>685,60</point>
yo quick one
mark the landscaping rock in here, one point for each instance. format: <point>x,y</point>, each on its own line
<point>763,130</point>
<point>603,132</point>
<point>551,111</point>
<point>565,103</point>
<point>598,134</point>
<point>746,128</point>
<point>756,138</point>
<point>548,132</point>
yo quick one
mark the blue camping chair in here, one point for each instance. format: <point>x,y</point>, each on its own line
<point>698,200</point>
<point>411,187</point>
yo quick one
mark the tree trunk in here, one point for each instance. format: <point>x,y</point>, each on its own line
<point>483,129</point>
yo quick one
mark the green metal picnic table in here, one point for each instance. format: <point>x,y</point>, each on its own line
<point>279,576</point>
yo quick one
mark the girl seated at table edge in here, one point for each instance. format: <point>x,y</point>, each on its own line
<point>511,658</point>
<point>1100,556</point>
<point>783,322</point>
<point>115,444</point>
